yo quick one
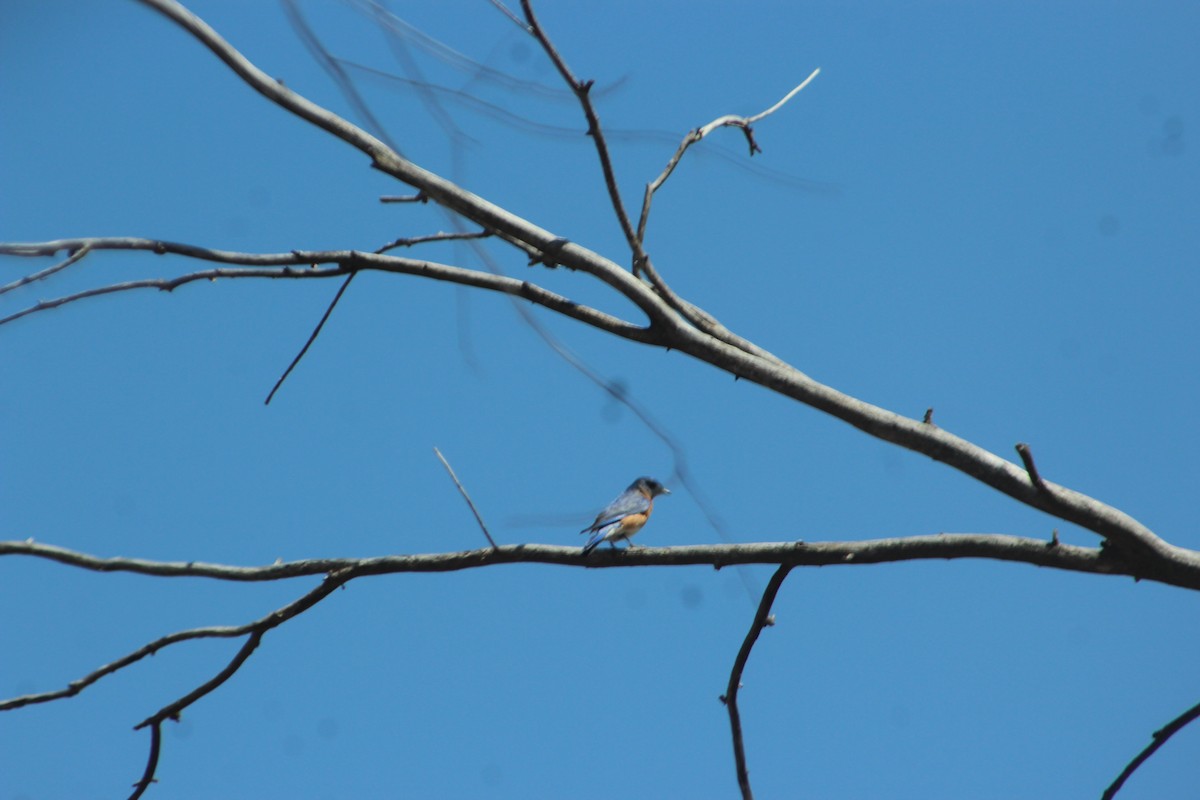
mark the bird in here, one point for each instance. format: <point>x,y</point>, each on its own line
<point>625,515</point>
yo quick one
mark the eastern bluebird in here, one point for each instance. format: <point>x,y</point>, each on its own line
<point>625,516</point>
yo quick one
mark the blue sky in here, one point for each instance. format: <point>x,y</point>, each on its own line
<point>987,208</point>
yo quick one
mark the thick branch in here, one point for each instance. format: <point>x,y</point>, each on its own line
<point>999,547</point>
<point>1122,530</point>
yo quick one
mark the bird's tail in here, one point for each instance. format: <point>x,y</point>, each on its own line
<point>593,542</point>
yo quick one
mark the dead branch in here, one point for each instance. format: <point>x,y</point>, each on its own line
<point>941,546</point>
<point>762,619</point>
<point>697,135</point>
<point>462,490</point>
<point>1157,740</point>
<point>681,326</point>
<point>347,262</point>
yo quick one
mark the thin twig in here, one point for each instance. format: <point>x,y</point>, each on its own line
<point>77,686</point>
<point>258,265</point>
<point>335,72</point>
<point>728,120</point>
<point>312,337</point>
<point>75,256</point>
<point>412,241</point>
<point>172,710</point>
<point>151,762</point>
<point>257,629</point>
<point>642,263</point>
<point>753,119</point>
<point>581,90</point>
<point>262,624</point>
<point>467,497</point>
<point>404,242</point>
<point>1158,739</point>
<point>506,11</point>
<point>762,619</point>
<point>475,71</point>
<point>332,582</point>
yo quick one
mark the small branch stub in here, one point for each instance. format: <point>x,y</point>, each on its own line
<point>1034,476</point>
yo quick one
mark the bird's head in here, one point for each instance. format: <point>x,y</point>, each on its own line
<point>649,487</point>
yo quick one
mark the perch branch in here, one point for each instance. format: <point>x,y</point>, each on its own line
<point>339,571</point>
<point>942,546</point>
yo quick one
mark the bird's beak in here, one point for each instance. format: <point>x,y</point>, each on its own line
<point>665,490</point>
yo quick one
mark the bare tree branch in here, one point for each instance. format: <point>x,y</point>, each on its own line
<point>447,194</point>
<point>1158,739</point>
<point>412,241</point>
<point>419,197</point>
<point>697,135</point>
<point>75,256</point>
<point>641,259</point>
<point>312,337</point>
<point>1129,548</point>
<point>258,629</point>
<point>467,497</point>
<point>762,619</point>
<point>151,762</point>
<point>257,265</point>
<point>77,686</point>
<point>671,328</point>
<point>594,130</point>
<point>941,546</point>
<point>259,626</point>
<point>340,571</point>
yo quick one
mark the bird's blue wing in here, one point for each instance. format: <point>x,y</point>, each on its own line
<point>631,501</point>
